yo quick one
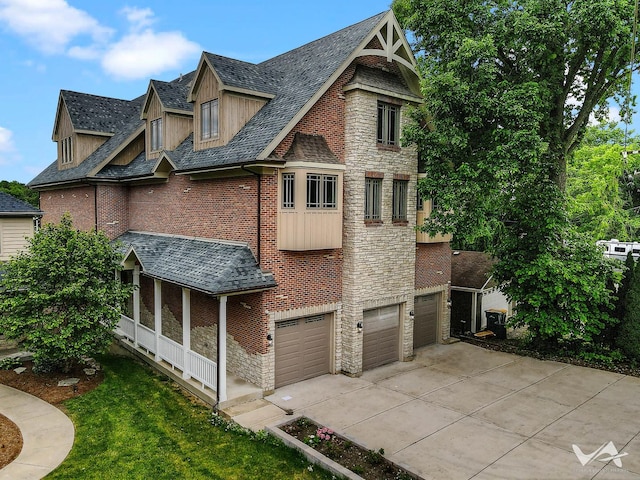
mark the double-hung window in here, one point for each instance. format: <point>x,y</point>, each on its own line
<point>322,191</point>
<point>373,199</point>
<point>209,120</point>
<point>388,123</point>
<point>400,200</point>
<point>66,151</point>
<point>156,134</point>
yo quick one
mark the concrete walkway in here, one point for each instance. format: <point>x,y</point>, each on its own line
<point>47,435</point>
<point>460,411</point>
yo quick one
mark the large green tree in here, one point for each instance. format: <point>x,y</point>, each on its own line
<point>509,86</point>
<point>602,189</point>
<point>61,297</point>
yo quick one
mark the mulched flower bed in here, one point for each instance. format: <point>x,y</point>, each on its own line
<point>368,464</point>
<point>518,347</point>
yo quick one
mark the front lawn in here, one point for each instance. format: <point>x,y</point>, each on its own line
<point>137,425</point>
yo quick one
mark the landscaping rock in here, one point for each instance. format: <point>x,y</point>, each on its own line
<point>89,371</point>
<point>19,370</point>
<point>67,382</point>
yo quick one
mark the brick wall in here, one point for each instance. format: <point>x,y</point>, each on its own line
<point>224,209</point>
<point>113,209</point>
<point>433,264</point>
<point>78,202</point>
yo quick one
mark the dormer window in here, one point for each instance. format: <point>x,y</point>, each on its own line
<point>209,120</point>
<point>156,134</point>
<point>66,151</point>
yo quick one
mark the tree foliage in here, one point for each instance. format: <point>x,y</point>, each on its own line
<point>628,339</point>
<point>20,191</point>
<point>602,189</point>
<point>509,86</point>
<point>61,296</point>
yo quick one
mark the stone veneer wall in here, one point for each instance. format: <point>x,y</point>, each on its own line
<point>379,260</point>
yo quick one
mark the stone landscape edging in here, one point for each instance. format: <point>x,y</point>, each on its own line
<point>312,455</point>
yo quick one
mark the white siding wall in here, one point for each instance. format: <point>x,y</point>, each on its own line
<point>13,233</point>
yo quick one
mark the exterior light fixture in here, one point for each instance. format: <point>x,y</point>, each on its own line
<point>269,340</point>
<point>359,325</point>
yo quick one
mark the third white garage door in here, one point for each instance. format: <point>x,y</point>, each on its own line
<point>381,336</point>
<point>303,349</point>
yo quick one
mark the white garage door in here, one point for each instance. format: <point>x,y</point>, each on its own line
<point>381,336</point>
<point>302,348</point>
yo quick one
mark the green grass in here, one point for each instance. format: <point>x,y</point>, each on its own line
<point>137,425</point>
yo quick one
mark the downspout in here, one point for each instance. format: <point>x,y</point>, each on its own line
<point>259,230</point>
<point>95,206</point>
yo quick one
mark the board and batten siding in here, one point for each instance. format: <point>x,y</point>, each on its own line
<point>13,235</point>
<point>175,128</point>
<point>234,111</point>
<point>82,145</point>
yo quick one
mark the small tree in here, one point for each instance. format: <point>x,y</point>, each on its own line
<point>61,296</point>
<point>629,333</point>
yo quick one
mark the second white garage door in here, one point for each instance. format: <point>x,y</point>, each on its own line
<point>303,349</point>
<point>381,336</point>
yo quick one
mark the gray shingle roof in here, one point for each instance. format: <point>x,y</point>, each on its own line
<point>374,77</point>
<point>173,95</point>
<point>310,148</point>
<point>10,205</point>
<point>98,114</point>
<point>212,267</point>
<point>471,269</point>
<point>293,78</point>
<point>239,74</point>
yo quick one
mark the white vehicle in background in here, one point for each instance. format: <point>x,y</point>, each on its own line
<point>616,249</point>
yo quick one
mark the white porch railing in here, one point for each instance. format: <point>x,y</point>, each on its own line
<point>171,352</point>
<point>189,362</point>
<point>126,327</point>
<point>203,369</point>
<point>146,338</point>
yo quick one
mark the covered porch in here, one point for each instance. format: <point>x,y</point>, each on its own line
<point>200,267</point>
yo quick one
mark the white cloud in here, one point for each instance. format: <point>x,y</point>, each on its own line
<point>7,148</point>
<point>50,25</point>
<point>6,141</point>
<point>139,18</point>
<point>55,27</point>
<point>147,53</point>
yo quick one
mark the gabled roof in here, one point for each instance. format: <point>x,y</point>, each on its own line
<point>92,113</point>
<point>10,206</point>
<point>172,95</point>
<point>472,270</point>
<point>212,267</point>
<point>292,83</point>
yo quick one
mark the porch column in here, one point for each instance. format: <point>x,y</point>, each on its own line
<point>186,331</point>
<point>157,313</point>
<point>222,350</point>
<point>136,303</point>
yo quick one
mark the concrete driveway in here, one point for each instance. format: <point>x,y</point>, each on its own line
<point>460,411</point>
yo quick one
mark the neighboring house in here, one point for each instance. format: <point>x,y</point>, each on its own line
<point>267,211</point>
<point>18,222</point>
<point>474,292</point>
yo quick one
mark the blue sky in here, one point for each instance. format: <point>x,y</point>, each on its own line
<point>112,48</point>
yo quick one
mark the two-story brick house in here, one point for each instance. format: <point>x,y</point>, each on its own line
<point>266,211</point>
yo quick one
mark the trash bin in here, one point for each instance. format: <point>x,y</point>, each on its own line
<point>497,323</point>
